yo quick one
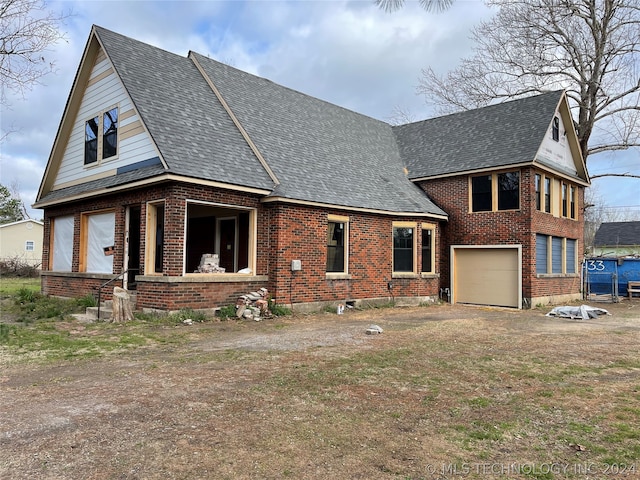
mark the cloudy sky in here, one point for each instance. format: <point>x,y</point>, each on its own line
<point>346,52</point>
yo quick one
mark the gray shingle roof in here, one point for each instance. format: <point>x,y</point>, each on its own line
<point>104,183</point>
<point>612,234</point>
<point>499,135</point>
<point>320,152</point>
<point>191,129</point>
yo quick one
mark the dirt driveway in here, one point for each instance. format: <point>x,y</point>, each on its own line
<point>233,401</point>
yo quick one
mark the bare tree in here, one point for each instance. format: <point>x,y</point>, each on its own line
<point>597,212</point>
<point>400,116</point>
<point>27,30</point>
<point>429,5</point>
<point>591,48</point>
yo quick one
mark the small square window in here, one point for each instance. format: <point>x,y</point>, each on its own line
<point>29,245</point>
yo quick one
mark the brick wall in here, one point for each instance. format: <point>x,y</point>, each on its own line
<point>299,233</point>
<point>505,228</point>
<point>284,233</point>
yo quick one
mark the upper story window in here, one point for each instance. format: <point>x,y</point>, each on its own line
<point>337,241</point>
<point>509,191</point>
<point>91,141</point>
<point>538,185</point>
<point>101,137</point>
<point>498,191</point>
<point>547,195</point>
<point>110,133</point>
<point>555,129</point>
<point>481,198</point>
<point>29,246</point>
<point>572,202</point>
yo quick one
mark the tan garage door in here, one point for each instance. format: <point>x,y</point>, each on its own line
<point>486,276</point>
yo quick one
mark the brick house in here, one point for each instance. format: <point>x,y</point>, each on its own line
<point>160,159</point>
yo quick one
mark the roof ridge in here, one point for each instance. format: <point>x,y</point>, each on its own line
<point>279,85</point>
<point>485,107</point>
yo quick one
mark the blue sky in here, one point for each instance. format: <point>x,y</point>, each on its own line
<point>346,52</point>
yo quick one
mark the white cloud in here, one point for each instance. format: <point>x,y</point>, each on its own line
<point>349,53</point>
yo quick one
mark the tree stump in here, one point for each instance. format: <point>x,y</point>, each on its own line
<point>122,308</point>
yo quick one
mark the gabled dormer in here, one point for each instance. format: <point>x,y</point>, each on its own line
<point>101,132</point>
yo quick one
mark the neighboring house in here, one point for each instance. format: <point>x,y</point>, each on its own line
<point>160,159</point>
<point>617,239</point>
<point>22,241</point>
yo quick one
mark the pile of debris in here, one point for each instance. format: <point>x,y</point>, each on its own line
<point>254,305</point>
<point>583,312</point>
<point>210,263</point>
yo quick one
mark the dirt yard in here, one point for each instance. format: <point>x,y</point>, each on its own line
<point>445,392</point>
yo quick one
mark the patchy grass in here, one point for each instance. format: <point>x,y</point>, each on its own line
<point>487,397</point>
<point>10,285</point>
<point>37,327</point>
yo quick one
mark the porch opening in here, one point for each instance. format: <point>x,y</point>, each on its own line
<point>219,229</point>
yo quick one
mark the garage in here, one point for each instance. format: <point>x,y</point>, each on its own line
<point>487,275</point>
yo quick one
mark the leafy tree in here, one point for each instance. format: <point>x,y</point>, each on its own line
<point>11,208</point>
<point>591,48</point>
<point>27,30</point>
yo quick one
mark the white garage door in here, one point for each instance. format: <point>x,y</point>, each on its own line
<point>486,276</point>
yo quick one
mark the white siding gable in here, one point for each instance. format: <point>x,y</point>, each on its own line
<point>103,92</point>
<point>558,152</point>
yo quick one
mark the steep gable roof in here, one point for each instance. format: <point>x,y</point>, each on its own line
<point>191,129</point>
<point>320,152</point>
<point>496,136</point>
<point>612,234</point>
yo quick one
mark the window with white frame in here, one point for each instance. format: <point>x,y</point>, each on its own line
<point>29,246</point>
